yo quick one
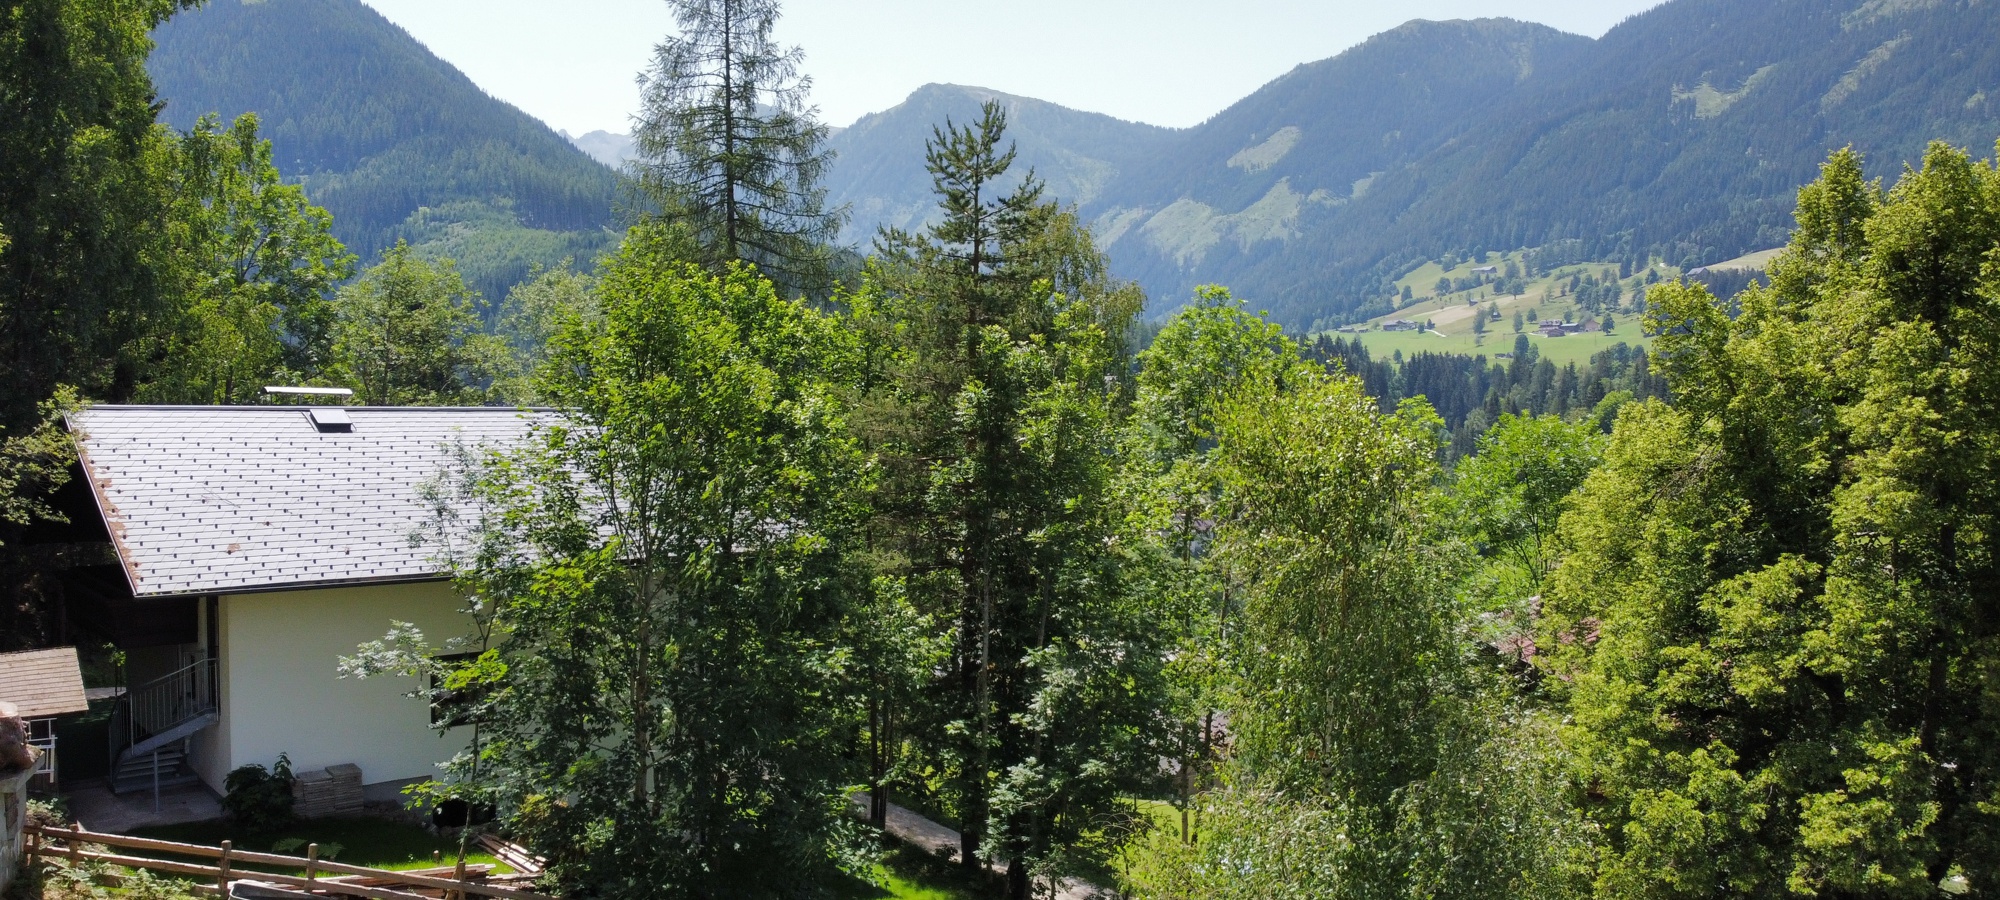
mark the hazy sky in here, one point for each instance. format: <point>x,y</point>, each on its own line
<point>1168,62</point>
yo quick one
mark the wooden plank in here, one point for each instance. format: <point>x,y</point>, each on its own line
<point>147,862</point>
<point>120,840</point>
<point>76,836</point>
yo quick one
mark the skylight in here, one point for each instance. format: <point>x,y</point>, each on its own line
<point>330,419</point>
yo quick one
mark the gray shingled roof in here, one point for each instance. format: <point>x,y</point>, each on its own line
<point>222,499</point>
<point>43,683</point>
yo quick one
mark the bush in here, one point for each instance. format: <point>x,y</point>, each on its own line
<point>260,799</point>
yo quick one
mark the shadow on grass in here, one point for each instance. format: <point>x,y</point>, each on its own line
<point>911,874</point>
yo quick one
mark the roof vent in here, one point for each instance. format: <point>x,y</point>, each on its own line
<point>274,390</point>
<point>330,419</point>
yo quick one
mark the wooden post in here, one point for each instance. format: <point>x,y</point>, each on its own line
<point>312,859</point>
<point>32,835</point>
<point>459,876</point>
<point>75,845</point>
<point>222,870</point>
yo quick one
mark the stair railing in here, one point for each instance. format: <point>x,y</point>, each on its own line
<point>163,703</point>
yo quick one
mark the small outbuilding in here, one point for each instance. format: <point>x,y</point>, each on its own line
<point>41,686</point>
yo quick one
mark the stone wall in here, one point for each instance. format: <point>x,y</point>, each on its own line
<point>13,818</point>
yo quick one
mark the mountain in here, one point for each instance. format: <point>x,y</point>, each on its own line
<point>607,147</point>
<point>1682,135</point>
<point>1258,178</point>
<point>395,142</point>
<point>878,170</point>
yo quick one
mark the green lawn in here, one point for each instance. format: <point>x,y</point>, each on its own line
<point>904,875</point>
<point>910,874</point>
<point>371,842</point>
<point>1543,298</point>
<point>1570,348</point>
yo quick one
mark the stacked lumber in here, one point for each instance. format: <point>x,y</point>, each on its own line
<point>332,791</point>
<point>513,854</point>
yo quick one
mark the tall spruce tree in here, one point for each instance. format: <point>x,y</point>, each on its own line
<point>729,149</point>
<point>997,420</point>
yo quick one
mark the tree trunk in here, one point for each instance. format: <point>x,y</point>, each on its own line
<point>1019,886</point>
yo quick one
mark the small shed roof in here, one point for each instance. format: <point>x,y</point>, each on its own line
<point>231,499</point>
<point>43,683</point>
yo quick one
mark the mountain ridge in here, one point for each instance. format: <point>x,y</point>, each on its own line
<point>395,142</point>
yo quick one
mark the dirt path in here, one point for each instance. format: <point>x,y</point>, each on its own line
<point>937,840</point>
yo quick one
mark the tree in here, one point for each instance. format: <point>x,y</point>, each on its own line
<point>1520,324</point>
<point>661,579</point>
<point>1511,494</point>
<point>534,313</point>
<point>83,206</point>
<point>1774,629</point>
<point>405,334</point>
<point>1210,351</point>
<point>81,196</point>
<point>998,387</point>
<point>254,262</point>
<point>1369,763</point>
<point>729,149</point>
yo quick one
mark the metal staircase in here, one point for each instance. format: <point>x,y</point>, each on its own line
<point>151,725</point>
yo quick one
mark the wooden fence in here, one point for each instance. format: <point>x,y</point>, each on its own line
<point>351,881</point>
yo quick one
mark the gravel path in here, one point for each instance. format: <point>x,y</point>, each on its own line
<point>937,840</point>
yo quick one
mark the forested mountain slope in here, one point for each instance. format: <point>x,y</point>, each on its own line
<point>879,170</point>
<point>1682,134</point>
<point>392,140</point>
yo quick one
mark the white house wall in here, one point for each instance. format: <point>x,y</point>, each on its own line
<point>282,693</point>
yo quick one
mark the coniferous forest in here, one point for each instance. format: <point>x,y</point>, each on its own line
<point>958,524</point>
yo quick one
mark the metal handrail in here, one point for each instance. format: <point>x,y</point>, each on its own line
<point>163,703</point>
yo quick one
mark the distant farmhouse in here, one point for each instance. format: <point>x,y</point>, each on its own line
<point>254,547</point>
<point>1559,328</point>
<point>1402,325</point>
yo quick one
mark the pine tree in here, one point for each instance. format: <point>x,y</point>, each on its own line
<point>996,419</point>
<point>729,150</point>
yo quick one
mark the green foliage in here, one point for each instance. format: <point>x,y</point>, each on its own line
<point>1472,393</point>
<point>667,564</point>
<point>257,798</point>
<point>1369,762</point>
<point>535,311</point>
<point>1771,629</point>
<point>729,150</point>
<point>1511,494</point>
<point>254,264</point>
<point>1208,353</point>
<point>33,465</point>
<point>80,198</point>
<point>406,334</point>
<point>996,342</point>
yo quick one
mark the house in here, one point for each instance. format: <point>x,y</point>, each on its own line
<point>39,686</point>
<point>255,546</point>
<point>1486,270</point>
<point>1401,325</point>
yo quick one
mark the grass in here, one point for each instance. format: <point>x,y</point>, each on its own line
<point>911,874</point>
<point>1572,348</point>
<point>1543,298</point>
<point>905,874</point>
<point>371,842</point>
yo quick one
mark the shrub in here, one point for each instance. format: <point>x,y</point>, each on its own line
<point>260,799</point>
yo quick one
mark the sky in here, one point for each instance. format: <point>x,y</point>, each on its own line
<point>1166,62</point>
